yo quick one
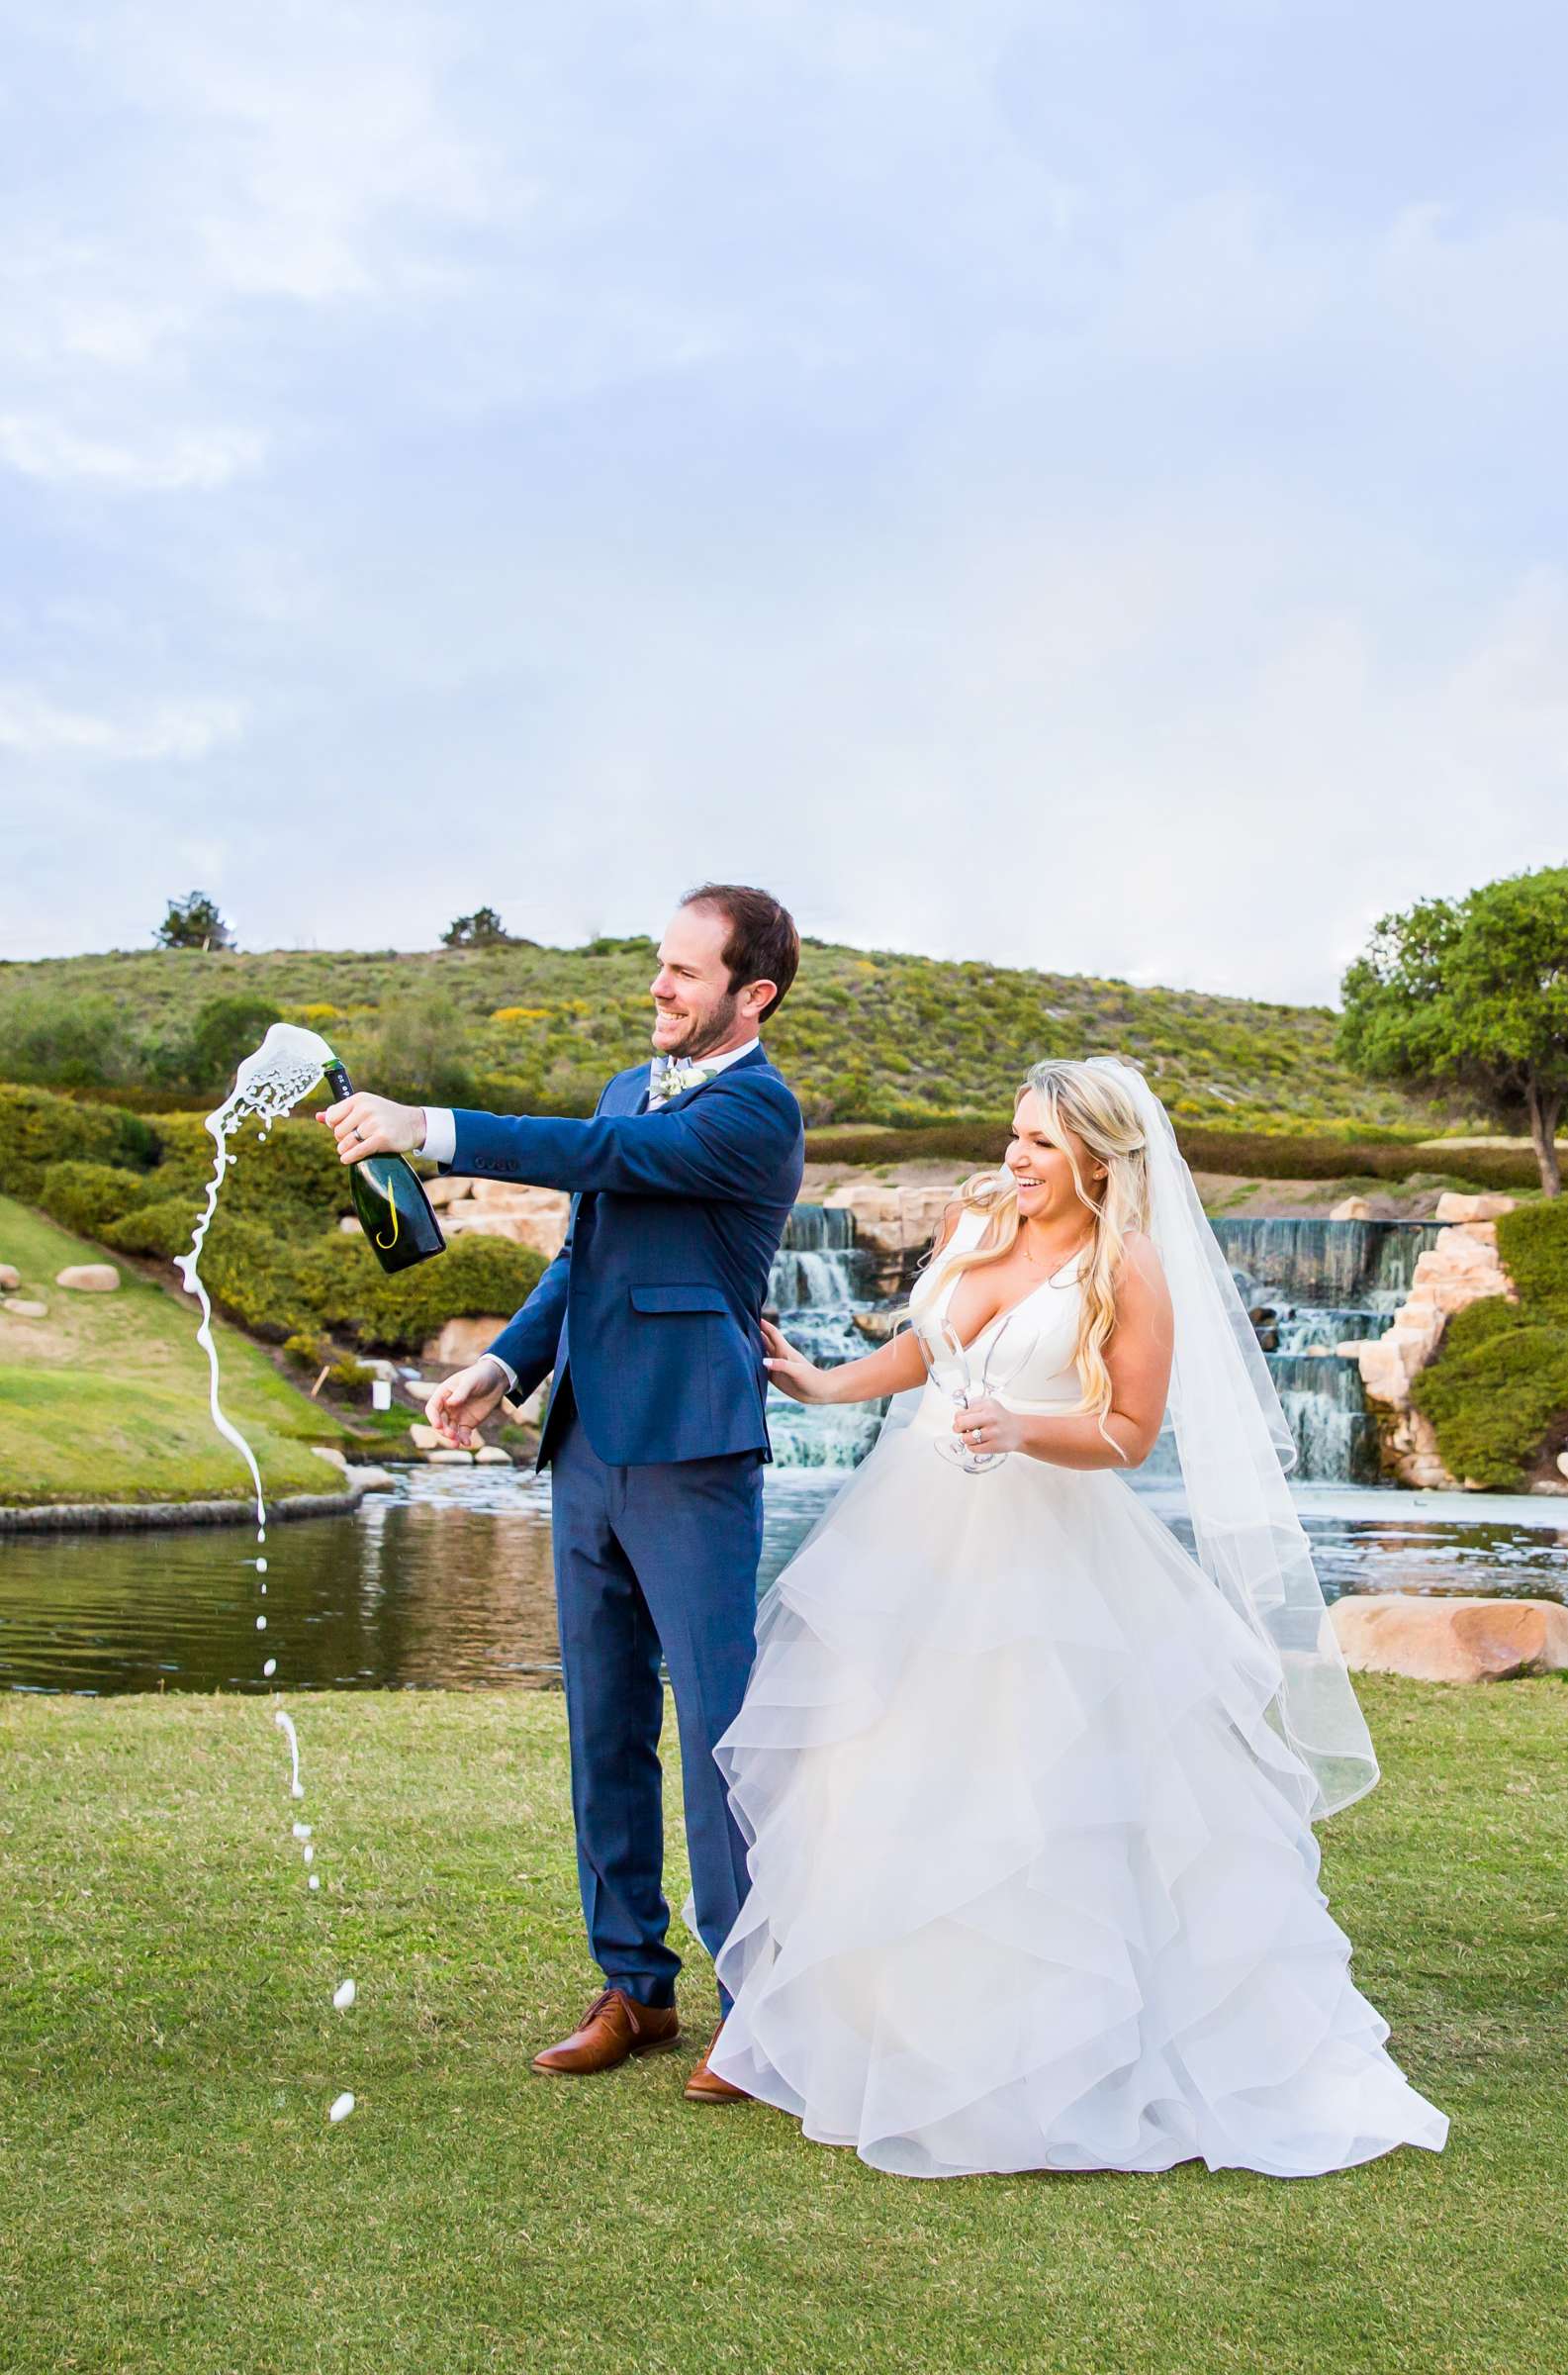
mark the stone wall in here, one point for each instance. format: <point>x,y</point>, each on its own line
<point>1462,1268</point>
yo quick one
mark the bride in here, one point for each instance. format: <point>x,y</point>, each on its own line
<point>1029,1788</point>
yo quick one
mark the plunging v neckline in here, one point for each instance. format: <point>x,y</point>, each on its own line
<point>944,1300</point>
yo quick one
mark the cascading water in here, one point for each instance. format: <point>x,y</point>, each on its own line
<point>269,1084</point>
<point>1344,1262</point>
<point>820,1280</point>
<point>1313,1285</point>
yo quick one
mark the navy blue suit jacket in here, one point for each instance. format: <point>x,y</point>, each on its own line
<point>655,1301</point>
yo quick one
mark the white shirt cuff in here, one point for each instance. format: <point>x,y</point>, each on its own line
<point>440,1134</point>
<point>505,1368</point>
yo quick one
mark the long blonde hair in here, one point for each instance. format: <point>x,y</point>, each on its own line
<point>1094,1105</point>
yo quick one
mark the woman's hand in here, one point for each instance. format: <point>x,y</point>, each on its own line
<point>791,1371</point>
<point>987,1427</point>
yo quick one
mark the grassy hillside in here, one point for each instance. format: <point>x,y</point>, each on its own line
<point>105,1400</point>
<point>866,1036</point>
<point>175,2199</point>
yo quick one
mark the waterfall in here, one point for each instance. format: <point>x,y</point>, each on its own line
<point>819,1279</point>
<point>1349,1263</point>
<point>1312,1285</point>
<point>1325,1402</point>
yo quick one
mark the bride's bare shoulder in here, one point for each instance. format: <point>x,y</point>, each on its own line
<point>1141,1275</point>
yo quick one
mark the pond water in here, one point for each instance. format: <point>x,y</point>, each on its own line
<point>445,1583</point>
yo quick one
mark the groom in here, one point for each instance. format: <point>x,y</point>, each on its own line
<point>649,1317</point>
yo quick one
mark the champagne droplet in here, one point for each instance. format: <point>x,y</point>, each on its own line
<point>316,1880</point>
<point>309,1855</point>
<point>344,1995</point>
<point>271,1666</point>
<point>261,1624</point>
<point>301,1830</point>
<point>261,1567</point>
<point>340,2109</point>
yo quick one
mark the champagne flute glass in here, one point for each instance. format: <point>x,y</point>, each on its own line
<point>947,1357</point>
<point>1005,1356</point>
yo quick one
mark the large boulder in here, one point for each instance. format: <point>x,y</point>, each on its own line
<point>1450,1640</point>
<point>531,1216</point>
<point>446,1191</point>
<point>10,1278</point>
<point>1455,1208</point>
<point>459,1342</point>
<point>17,1306</point>
<point>88,1277</point>
<point>890,1218</point>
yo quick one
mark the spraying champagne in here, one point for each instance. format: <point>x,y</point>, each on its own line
<point>393,1210</point>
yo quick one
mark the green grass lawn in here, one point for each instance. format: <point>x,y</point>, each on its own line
<point>106,1398</point>
<point>175,2197</point>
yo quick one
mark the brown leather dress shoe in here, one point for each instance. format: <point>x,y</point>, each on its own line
<point>706,2086</point>
<point>614,2029</point>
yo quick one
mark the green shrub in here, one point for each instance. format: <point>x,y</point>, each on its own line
<point>416,1051</point>
<point>310,1350</point>
<point>474,1277</point>
<point>224,1033</point>
<point>1533,1244</point>
<point>37,1128</point>
<point>69,1040</point>
<point>162,1229</point>
<point>1497,1393</point>
<point>294,1184</point>
<point>88,1197</point>
<point>257,1277</point>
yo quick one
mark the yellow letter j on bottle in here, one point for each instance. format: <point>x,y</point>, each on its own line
<point>392,1208</point>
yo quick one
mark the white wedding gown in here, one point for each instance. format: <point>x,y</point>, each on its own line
<point>1024,1892</point>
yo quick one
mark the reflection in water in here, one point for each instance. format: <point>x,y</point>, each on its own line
<point>447,1583</point>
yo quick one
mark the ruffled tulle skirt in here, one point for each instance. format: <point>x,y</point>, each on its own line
<point>1032,1883</point>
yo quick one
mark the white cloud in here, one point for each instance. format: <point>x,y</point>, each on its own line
<point>36,727</point>
<point>46,449</point>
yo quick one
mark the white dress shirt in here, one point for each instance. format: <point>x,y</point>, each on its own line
<point>440,1144</point>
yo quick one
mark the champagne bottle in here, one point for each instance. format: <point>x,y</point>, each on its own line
<point>393,1210</point>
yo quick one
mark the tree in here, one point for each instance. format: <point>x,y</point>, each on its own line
<point>1470,995</point>
<point>482,929</point>
<point>193,922</point>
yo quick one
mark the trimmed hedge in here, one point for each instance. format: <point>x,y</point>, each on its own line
<point>1246,1154</point>
<point>1497,1393</point>
<point>37,1128</point>
<point>1497,1397</point>
<point>89,1197</point>
<point>475,1277</point>
<point>161,1230</point>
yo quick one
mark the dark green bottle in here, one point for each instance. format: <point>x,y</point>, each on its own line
<point>393,1210</point>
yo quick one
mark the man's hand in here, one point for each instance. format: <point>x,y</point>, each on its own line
<point>373,1125</point>
<point>457,1410</point>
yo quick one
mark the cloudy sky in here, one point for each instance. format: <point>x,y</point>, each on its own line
<point>1073,481</point>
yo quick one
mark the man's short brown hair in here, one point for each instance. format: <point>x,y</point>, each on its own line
<point>763,944</point>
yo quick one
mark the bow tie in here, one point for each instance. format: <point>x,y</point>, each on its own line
<point>671,1076</point>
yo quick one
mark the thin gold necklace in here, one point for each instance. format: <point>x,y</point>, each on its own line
<point>1035,1261</point>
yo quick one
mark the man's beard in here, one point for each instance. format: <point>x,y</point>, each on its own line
<point>701,1036</point>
